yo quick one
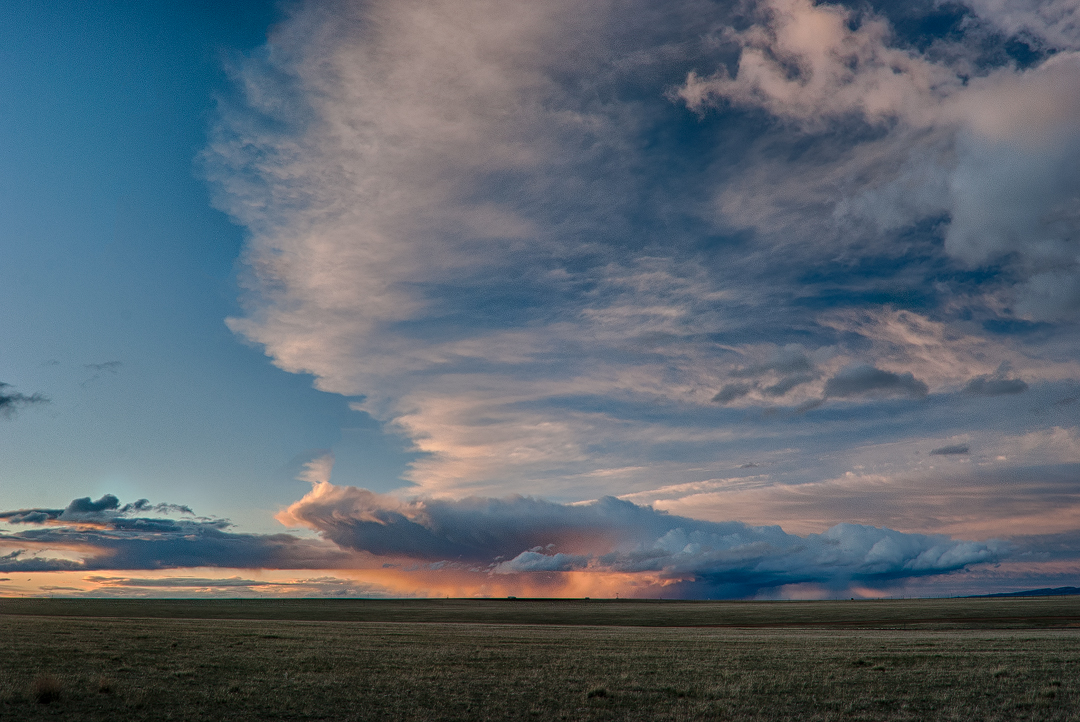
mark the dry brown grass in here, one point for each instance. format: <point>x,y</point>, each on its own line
<point>161,669</point>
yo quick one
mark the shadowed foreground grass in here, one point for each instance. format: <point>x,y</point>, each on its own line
<point>229,669</point>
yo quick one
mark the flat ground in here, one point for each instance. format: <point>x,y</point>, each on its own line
<point>961,659</point>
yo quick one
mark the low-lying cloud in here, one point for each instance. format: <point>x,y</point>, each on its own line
<point>103,534</point>
<point>518,535</point>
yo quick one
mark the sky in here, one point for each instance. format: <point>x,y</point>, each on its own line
<point>703,299</point>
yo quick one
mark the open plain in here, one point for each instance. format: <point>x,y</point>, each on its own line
<point>955,659</point>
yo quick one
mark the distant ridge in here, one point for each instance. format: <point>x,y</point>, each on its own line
<point>1055,592</point>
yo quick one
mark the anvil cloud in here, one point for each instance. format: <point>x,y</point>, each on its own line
<point>583,248</point>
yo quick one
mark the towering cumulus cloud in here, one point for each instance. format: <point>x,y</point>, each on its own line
<point>658,250</point>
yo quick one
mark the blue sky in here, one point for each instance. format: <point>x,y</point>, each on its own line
<point>760,298</point>
<point>114,254</point>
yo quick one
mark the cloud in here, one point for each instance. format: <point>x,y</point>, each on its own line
<point>442,219</point>
<point>952,450</point>
<point>789,360</point>
<point>816,62</point>
<point>786,369</point>
<point>198,587</point>
<point>12,401</point>
<point>1047,25</point>
<point>109,366</point>
<point>103,534</point>
<point>520,535</point>
<point>970,496</point>
<point>730,392</point>
<point>107,508</point>
<point>536,561</point>
<point>178,582</point>
<point>784,385</point>
<point>864,380</point>
<point>995,387</point>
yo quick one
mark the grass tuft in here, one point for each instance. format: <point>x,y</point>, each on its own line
<point>45,689</point>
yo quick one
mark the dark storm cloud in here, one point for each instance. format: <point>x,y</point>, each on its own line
<point>865,380</point>
<point>120,541</point>
<point>11,401</point>
<point>955,449</point>
<point>522,535</point>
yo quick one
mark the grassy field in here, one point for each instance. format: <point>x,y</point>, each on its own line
<point>914,660</point>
